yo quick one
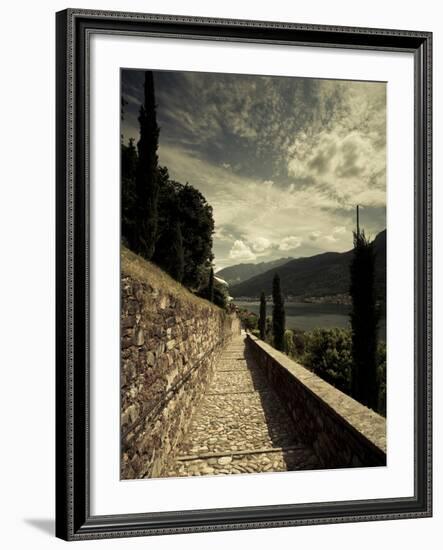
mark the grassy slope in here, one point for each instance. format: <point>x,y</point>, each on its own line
<point>140,269</point>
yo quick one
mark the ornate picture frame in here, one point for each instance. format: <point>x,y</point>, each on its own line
<point>75,519</point>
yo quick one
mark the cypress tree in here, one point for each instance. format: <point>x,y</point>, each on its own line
<point>146,180</point>
<point>364,321</point>
<point>278,314</point>
<point>128,171</point>
<point>262,318</point>
<point>211,286</point>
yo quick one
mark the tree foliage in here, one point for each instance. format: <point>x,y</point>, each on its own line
<point>169,248</point>
<point>220,296</point>
<point>248,319</point>
<point>269,336</point>
<point>163,220</point>
<point>198,224</point>
<point>328,354</point>
<point>211,285</point>
<point>278,314</point>
<point>288,343</point>
<point>185,205</point>
<point>364,322</point>
<point>381,378</point>
<point>173,253</point>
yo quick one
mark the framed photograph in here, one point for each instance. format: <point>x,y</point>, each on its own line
<point>243,274</point>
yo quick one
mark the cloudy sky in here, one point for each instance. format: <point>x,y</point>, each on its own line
<point>283,161</point>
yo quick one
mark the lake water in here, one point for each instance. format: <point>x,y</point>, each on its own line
<point>310,316</point>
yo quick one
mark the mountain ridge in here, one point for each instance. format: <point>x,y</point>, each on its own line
<point>236,274</point>
<point>325,274</point>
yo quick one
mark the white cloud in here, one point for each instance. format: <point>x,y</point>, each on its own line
<point>339,230</point>
<point>346,157</point>
<point>290,243</point>
<point>307,150</point>
<point>349,167</point>
<point>260,244</point>
<point>241,252</point>
<point>336,234</point>
<point>331,238</point>
<point>245,210</point>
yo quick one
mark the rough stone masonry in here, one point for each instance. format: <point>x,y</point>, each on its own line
<point>170,341</point>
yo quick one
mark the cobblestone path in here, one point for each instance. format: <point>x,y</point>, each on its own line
<point>241,425</point>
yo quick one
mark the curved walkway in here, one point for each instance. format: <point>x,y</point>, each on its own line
<point>241,425</point>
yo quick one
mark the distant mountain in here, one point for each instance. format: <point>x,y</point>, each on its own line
<point>236,274</point>
<point>321,275</point>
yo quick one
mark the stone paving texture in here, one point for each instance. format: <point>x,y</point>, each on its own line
<point>241,425</point>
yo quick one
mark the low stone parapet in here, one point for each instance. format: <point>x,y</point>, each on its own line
<point>343,432</point>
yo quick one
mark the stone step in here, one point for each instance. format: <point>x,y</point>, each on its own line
<point>264,390</point>
<point>279,461</point>
<point>232,453</point>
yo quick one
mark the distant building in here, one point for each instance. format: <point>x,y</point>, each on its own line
<point>221,281</point>
<point>224,284</point>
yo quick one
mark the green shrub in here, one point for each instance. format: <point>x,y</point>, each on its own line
<point>288,343</point>
<point>328,354</point>
<point>299,339</point>
<point>248,319</point>
<point>268,331</point>
<point>381,378</point>
<point>220,295</point>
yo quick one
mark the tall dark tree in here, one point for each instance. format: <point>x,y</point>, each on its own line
<point>146,179</point>
<point>364,321</point>
<point>211,285</point>
<point>128,197</point>
<point>278,314</point>
<point>123,104</point>
<point>262,318</point>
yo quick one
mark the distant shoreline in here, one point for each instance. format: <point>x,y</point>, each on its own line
<point>337,299</point>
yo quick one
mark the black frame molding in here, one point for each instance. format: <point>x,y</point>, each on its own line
<point>73,30</point>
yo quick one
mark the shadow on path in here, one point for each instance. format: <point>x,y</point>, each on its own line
<point>282,429</point>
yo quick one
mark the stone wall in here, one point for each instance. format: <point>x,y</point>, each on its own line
<point>342,432</point>
<point>170,340</point>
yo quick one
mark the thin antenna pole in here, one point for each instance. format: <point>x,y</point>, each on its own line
<point>358,222</point>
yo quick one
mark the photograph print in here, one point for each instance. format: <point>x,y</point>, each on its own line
<point>253,274</point>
